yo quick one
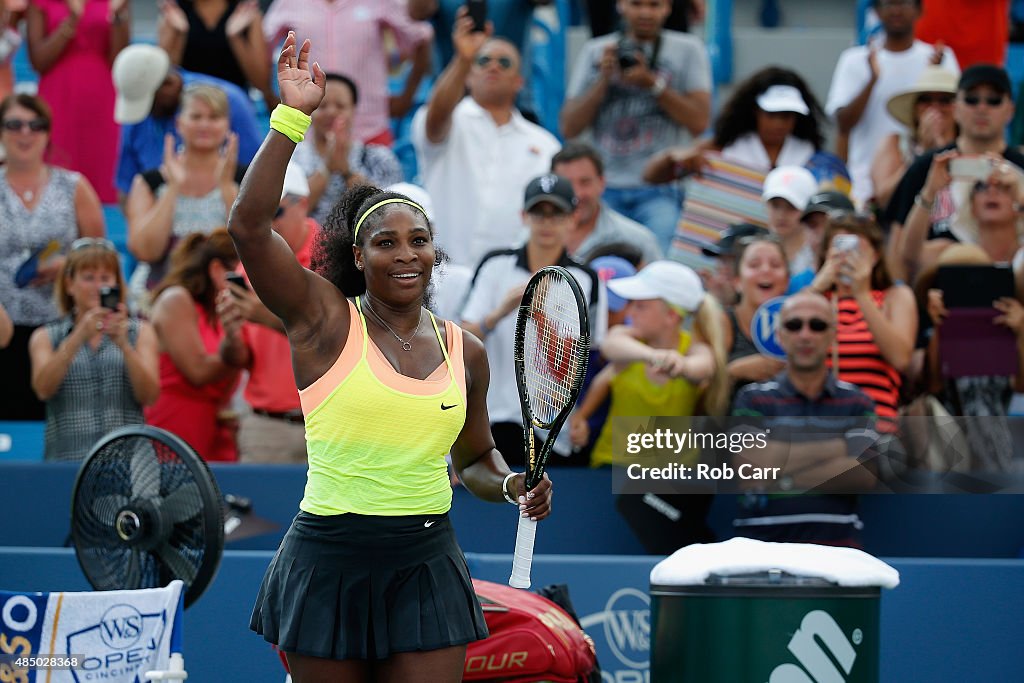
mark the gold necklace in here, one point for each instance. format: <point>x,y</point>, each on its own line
<point>406,346</point>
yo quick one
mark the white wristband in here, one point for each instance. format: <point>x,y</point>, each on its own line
<point>504,488</point>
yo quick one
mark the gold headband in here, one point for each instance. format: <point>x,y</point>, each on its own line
<point>385,202</point>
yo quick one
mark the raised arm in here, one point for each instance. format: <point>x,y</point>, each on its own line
<point>291,292</point>
<point>914,232</point>
<point>850,114</point>
<point>172,29</point>
<point>44,49</point>
<point>120,16</point>
<point>579,112</point>
<point>244,30</point>
<point>176,323</point>
<point>151,217</point>
<point>451,84</point>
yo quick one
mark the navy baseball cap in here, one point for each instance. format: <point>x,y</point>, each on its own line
<point>985,74</point>
<point>550,188</point>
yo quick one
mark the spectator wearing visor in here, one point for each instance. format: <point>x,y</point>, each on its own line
<point>771,120</point>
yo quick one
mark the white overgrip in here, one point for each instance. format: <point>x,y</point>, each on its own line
<point>522,559</point>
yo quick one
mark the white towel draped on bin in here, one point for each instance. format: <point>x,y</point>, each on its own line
<point>691,566</point>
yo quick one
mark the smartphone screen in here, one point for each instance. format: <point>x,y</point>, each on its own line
<point>971,167</point>
<point>110,297</point>
<point>478,13</point>
<point>236,279</point>
<point>845,243</point>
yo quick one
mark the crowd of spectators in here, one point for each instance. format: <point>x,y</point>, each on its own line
<point>166,131</point>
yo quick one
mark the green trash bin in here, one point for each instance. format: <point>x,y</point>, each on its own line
<point>769,627</point>
<point>745,611</point>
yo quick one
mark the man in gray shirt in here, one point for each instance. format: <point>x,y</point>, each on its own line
<point>597,224</point>
<point>640,91</point>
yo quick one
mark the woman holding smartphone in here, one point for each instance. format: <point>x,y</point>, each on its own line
<point>876,317</point>
<point>202,349</point>
<point>95,367</point>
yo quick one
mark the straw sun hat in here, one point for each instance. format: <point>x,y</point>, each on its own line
<point>932,79</point>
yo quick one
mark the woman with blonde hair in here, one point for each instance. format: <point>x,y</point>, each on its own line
<point>989,215</point>
<point>193,189</point>
<point>95,367</point>
<point>201,348</point>
<point>656,366</point>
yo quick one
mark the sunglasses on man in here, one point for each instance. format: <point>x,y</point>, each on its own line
<point>505,63</point>
<point>991,100</point>
<point>796,324</point>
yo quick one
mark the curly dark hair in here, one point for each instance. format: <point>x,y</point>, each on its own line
<point>739,114</point>
<point>332,253</point>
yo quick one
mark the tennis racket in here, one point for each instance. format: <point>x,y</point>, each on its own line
<point>551,346</point>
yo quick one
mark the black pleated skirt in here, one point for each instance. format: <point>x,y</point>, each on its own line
<point>365,587</point>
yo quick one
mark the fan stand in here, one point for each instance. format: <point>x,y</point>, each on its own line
<point>176,672</point>
<point>130,510</point>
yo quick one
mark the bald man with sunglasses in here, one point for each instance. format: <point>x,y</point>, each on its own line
<point>476,152</point>
<point>820,435</point>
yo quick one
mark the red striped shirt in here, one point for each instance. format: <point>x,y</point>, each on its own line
<point>861,361</point>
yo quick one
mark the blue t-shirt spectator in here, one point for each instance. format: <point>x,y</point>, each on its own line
<point>142,143</point>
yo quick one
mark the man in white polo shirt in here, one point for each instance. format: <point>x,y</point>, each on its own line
<point>477,153</point>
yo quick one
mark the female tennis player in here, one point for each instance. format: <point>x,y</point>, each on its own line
<point>369,582</point>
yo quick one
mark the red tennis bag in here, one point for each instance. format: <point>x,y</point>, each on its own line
<point>532,639</point>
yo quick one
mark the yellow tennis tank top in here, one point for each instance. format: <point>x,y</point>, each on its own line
<point>634,395</point>
<point>376,439</point>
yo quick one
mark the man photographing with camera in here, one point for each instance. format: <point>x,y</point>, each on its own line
<point>640,90</point>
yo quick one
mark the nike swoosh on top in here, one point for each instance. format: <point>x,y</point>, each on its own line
<point>444,407</point>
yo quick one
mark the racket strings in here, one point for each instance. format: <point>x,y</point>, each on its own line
<point>553,353</point>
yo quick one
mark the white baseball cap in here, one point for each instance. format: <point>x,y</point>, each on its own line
<point>669,280</point>
<point>795,184</point>
<point>138,72</point>
<point>783,98</point>
<point>295,182</point>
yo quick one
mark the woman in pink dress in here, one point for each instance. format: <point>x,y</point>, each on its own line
<point>72,44</point>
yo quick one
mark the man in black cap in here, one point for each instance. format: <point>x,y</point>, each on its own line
<point>497,289</point>
<point>924,205</point>
<point>719,281</point>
